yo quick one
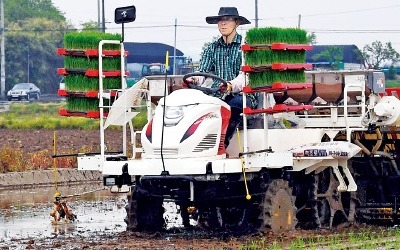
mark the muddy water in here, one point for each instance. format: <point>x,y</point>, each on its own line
<point>25,214</point>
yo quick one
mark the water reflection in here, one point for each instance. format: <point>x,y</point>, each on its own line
<point>26,213</point>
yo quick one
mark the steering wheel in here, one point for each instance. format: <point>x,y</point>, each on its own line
<point>204,89</point>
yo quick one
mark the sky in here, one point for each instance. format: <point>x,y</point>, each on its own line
<point>181,23</point>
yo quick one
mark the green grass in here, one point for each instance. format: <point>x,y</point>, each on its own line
<point>364,238</point>
<point>45,116</point>
<point>392,83</point>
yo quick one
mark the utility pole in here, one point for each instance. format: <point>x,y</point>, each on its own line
<point>299,22</point>
<point>3,55</point>
<point>256,14</point>
<point>98,16</point>
<point>174,64</point>
<point>104,18</point>
<point>28,65</point>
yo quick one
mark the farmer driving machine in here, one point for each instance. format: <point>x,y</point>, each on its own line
<point>321,148</point>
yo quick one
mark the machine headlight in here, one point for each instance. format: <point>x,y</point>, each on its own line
<point>109,181</point>
<point>173,114</point>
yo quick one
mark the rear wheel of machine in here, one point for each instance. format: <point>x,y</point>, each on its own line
<point>143,212</point>
<point>278,210</point>
<point>211,218</point>
<point>330,207</point>
<point>233,216</point>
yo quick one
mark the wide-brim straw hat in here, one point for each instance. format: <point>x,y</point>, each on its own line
<point>227,12</point>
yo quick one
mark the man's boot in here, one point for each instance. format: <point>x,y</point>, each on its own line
<point>230,131</point>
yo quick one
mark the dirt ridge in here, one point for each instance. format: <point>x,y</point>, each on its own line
<point>41,178</point>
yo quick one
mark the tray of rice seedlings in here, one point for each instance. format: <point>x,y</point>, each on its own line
<point>269,57</point>
<point>77,66</point>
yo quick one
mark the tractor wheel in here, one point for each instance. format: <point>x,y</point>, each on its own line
<point>210,218</point>
<point>330,206</point>
<point>278,210</point>
<point>144,213</point>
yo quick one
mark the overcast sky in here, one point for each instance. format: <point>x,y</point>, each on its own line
<point>334,22</point>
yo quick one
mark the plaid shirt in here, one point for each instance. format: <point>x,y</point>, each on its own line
<point>225,61</point>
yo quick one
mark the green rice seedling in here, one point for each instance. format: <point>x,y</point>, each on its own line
<point>269,77</point>
<point>82,83</point>
<point>396,243</point>
<point>352,237</point>
<point>270,35</point>
<point>298,244</point>
<point>82,104</point>
<point>320,240</point>
<point>264,57</point>
<point>85,104</point>
<point>397,233</point>
<point>273,246</point>
<point>90,40</point>
<point>109,63</point>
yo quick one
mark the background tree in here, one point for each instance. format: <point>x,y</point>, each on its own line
<point>17,10</point>
<point>391,74</point>
<point>312,38</point>
<point>333,54</point>
<point>90,26</point>
<point>34,31</point>
<point>376,54</point>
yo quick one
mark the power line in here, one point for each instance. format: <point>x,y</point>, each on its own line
<point>111,28</point>
<point>382,31</point>
<point>333,13</point>
<point>353,31</point>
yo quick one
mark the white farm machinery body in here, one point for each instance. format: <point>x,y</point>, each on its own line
<point>185,160</point>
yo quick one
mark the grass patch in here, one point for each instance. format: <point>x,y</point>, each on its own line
<point>45,116</point>
<point>42,116</point>
<point>392,83</point>
<point>362,238</point>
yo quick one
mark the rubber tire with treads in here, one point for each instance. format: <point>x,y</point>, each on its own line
<point>143,212</point>
<point>278,210</point>
<point>329,208</point>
